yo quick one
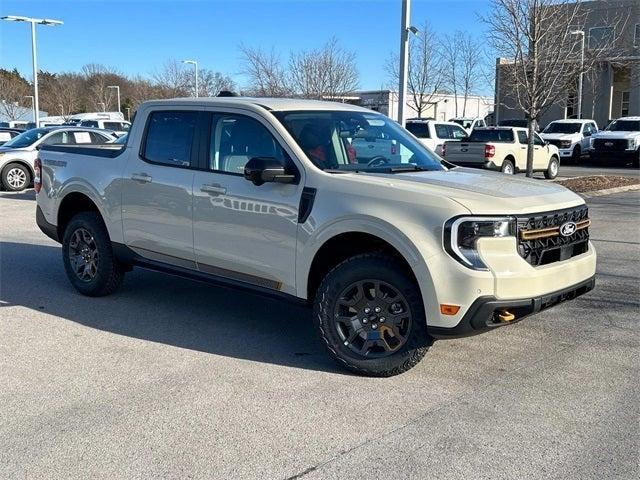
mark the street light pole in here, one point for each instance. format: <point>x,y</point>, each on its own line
<point>34,22</point>
<point>404,60</point>
<point>117,87</point>
<point>580,78</point>
<point>195,65</point>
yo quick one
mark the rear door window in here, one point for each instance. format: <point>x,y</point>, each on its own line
<point>169,137</point>
<point>522,137</point>
<point>419,129</point>
<point>442,130</point>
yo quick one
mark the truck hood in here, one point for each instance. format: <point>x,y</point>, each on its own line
<point>617,135</point>
<point>560,136</point>
<point>484,192</point>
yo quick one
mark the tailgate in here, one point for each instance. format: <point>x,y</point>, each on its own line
<point>465,152</point>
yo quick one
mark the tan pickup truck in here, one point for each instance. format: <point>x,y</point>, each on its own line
<point>503,149</point>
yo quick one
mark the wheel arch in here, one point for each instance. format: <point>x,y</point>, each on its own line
<point>70,205</point>
<point>346,239</point>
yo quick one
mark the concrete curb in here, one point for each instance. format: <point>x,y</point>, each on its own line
<point>609,191</point>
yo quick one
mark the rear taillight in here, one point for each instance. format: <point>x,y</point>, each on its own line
<point>489,151</point>
<point>37,178</point>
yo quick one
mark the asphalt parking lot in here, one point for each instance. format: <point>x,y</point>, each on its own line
<point>586,168</point>
<point>171,378</point>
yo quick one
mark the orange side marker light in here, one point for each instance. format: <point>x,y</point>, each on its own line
<point>449,309</point>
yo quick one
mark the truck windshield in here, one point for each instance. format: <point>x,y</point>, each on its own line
<point>621,126</point>
<point>491,135</point>
<point>357,141</point>
<point>554,127</point>
<point>27,138</point>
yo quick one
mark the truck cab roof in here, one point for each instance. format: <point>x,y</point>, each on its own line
<point>272,104</point>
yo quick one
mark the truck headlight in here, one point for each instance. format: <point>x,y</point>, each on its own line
<point>461,236</point>
<point>632,144</point>
<point>565,143</point>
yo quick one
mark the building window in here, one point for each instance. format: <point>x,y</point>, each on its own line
<point>625,104</point>
<point>600,37</point>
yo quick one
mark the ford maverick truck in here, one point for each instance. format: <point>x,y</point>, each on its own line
<point>278,196</point>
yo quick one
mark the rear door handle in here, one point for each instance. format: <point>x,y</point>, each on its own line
<point>141,177</point>
<point>213,189</point>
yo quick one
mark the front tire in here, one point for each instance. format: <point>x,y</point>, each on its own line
<point>576,155</point>
<point>552,170</point>
<point>88,257</point>
<point>369,313</point>
<point>15,177</point>
<point>508,167</point>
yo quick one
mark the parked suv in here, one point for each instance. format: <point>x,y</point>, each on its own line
<point>572,137</point>
<point>17,155</point>
<point>433,134</point>
<point>618,143</point>
<point>264,194</point>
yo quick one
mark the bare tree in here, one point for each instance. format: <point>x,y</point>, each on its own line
<point>325,73</point>
<point>470,66</point>
<point>425,77</point>
<point>13,89</point>
<point>61,93</point>
<point>211,83</point>
<point>451,65</point>
<point>173,79</point>
<point>267,75</point>
<point>536,36</point>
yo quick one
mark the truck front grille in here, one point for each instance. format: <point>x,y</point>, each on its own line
<point>540,241</point>
<point>555,142</point>
<point>610,145</point>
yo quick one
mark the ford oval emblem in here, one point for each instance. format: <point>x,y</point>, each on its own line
<point>608,144</point>
<point>568,228</point>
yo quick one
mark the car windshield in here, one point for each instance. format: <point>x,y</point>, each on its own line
<point>357,141</point>
<point>27,138</point>
<point>557,127</point>
<point>121,140</point>
<point>621,126</point>
<point>464,123</point>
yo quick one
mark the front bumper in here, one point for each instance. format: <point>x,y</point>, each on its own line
<point>482,314</point>
<point>566,152</point>
<point>614,156</point>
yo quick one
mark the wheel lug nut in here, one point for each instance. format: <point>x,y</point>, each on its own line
<point>382,319</point>
<point>364,320</point>
<point>367,310</point>
<point>378,309</point>
<point>374,326</point>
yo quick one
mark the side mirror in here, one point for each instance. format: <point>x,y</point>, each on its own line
<point>261,170</point>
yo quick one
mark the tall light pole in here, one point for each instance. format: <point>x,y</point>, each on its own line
<point>117,87</point>
<point>195,64</point>
<point>31,97</point>
<point>33,22</point>
<point>405,30</point>
<point>581,33</point>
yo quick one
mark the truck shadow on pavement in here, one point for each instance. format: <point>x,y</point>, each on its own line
<point>167,309</point>
<point>24,195</point>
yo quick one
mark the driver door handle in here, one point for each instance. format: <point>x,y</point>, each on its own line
<point>141,177</point>
<point>213,189</point>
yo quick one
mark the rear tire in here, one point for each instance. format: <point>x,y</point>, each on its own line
<point>552,170</point>
<point>88,257</point>
<point>508,167</point>
<point>15,177</point>
<point>369,314</point>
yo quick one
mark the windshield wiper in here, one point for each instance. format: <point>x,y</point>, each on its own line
<point>407,168</point>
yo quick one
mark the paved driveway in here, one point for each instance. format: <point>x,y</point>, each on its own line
<point>171,378</point>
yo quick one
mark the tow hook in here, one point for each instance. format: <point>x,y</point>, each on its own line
<point>506,316</point>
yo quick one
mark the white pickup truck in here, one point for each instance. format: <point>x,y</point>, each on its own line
<point>503,149</point>
<point>572,137</point>
<point>618,143</point>
<point>433,133</point>
<point>268,195</point>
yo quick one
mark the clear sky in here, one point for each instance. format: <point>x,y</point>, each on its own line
<point>137,36</point>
